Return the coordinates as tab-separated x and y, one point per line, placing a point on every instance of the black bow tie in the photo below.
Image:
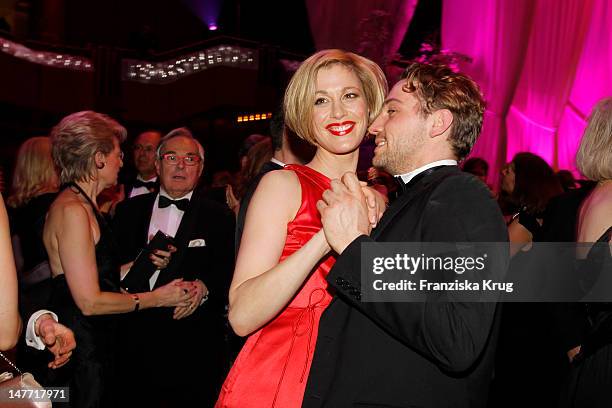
403	187
167	202
150	185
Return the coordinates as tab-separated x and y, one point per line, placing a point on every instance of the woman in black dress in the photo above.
34	187
528	363
83	255
590	378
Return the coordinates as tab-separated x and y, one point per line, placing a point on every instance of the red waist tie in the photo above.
308	312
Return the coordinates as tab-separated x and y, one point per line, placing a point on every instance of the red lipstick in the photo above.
341	129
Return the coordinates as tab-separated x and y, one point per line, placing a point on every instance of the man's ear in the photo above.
442	121
157	164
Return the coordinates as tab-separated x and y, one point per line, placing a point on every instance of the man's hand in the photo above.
344	212
160	258
199	290
58	338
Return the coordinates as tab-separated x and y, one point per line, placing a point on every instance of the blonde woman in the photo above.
279	290
34	187
34	173
590	379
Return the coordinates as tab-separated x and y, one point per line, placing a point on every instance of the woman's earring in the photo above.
100	166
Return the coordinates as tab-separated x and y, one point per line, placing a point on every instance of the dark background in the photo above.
33	98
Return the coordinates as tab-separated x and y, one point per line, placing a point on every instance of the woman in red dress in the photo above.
279	289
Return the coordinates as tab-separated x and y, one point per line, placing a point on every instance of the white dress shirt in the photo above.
141	190
280	163
166	220
410	175
32	339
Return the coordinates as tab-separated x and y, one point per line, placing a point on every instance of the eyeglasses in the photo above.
174	159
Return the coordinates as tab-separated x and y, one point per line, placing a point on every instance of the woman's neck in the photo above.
604	183
332	165
91	188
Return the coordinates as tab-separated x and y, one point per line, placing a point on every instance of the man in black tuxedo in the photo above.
144	150
180	355
409	354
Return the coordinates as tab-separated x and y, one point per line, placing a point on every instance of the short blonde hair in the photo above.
594	157
300	93
34	172
76	140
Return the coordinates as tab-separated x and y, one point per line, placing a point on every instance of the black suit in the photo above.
410	354
162	352
246	198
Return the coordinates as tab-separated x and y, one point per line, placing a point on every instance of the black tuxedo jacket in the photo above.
156	348
246	199
410	354
203	219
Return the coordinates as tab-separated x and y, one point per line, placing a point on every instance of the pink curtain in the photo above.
569	133
373	28
494	34
555	46
542	66
592	82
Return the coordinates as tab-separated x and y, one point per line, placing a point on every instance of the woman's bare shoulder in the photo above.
67	206
280	184
596	214
279	190
285	177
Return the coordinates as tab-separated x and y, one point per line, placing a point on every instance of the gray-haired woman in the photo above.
83	255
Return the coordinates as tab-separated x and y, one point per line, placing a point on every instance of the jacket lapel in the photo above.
408	197
396	208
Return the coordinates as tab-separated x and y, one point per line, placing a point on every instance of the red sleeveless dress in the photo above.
272	368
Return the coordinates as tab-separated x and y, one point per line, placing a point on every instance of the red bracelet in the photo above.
137	300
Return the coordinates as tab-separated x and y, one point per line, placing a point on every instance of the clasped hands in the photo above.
193	292
198	290
349	209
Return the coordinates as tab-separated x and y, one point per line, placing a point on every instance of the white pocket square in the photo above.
196	243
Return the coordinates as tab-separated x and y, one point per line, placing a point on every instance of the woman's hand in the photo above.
160	258
377	203
175	293
200	291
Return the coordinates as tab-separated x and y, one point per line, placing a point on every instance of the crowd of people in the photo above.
162	291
